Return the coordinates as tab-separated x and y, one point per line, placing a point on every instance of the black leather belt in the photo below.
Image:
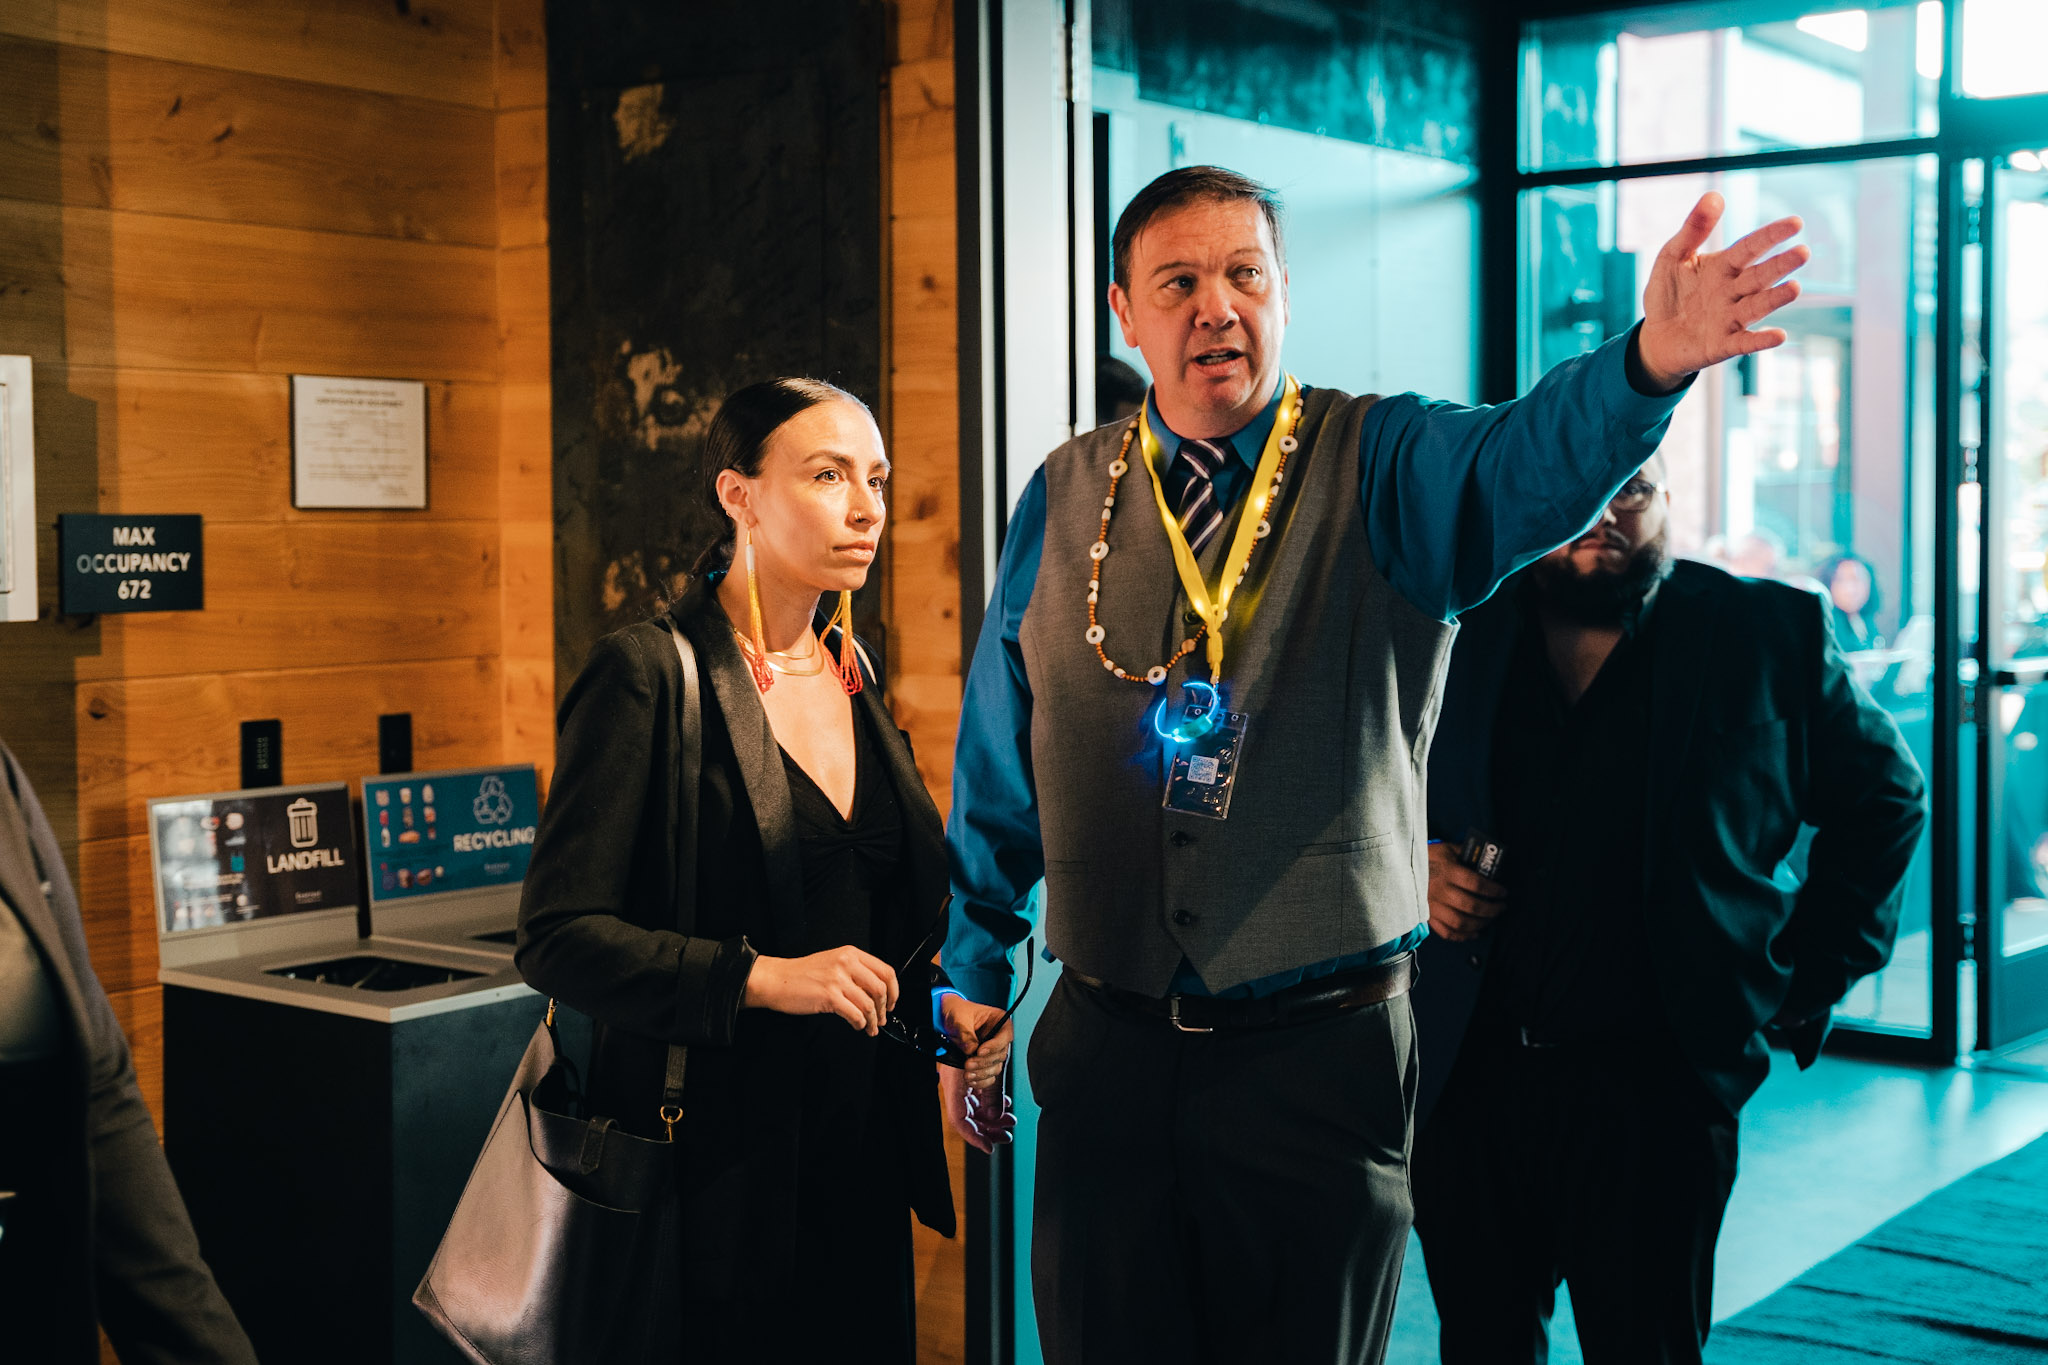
1303	1004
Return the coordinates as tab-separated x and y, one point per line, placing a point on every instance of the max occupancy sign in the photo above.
252	855
427	833
130	563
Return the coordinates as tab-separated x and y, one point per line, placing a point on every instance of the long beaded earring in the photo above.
849	665
764	677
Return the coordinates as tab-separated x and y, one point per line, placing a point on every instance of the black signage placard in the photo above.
243	856
130	563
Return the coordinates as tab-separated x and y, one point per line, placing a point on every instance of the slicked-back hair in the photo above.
738	439
1189	185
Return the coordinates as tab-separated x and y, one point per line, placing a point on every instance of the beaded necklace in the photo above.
1155	676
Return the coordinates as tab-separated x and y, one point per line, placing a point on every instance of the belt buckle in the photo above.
1173	1017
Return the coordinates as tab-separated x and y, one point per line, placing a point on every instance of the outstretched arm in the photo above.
1699	310
1458	498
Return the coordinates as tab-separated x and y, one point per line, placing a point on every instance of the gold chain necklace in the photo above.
1155	676
783	661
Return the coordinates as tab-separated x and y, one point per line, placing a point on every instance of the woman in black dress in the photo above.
820	871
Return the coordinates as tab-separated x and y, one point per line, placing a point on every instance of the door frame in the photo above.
1024	151
2004	985
1963	684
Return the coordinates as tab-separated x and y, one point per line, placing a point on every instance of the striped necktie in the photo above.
1195	503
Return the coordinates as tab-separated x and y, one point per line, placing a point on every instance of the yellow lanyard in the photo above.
1214	607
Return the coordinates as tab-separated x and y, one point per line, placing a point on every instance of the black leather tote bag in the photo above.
564	1246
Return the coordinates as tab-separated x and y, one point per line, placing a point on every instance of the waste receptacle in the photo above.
325	1095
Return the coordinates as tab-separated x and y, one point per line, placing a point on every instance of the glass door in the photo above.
2011	422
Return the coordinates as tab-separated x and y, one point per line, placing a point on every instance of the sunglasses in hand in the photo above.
921	1035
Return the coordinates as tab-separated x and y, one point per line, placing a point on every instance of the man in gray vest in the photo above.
1200	711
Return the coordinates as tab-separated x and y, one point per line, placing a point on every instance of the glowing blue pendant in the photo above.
1197	718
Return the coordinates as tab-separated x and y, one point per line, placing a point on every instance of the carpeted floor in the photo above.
1962	1276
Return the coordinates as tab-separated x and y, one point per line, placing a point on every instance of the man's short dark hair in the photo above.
1188	185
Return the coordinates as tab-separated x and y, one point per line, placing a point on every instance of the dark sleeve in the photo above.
158	1301
1868	802
581	938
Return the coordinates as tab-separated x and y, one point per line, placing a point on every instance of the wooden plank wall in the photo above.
923	601
196	201
924	392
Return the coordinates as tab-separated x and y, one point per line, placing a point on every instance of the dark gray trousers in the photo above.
1594	1165
1229	1196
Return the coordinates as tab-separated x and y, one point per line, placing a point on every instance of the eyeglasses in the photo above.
1634	496
920	1035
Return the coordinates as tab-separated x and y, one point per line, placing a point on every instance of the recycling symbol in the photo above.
493	804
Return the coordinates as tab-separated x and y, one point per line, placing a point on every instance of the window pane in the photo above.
2003	46
1380	243
2019	425
2019	443
1719	79
1811	463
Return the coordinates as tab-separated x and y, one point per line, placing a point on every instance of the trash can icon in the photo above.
305	818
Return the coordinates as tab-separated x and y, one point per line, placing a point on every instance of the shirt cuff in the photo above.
1639	377
983	985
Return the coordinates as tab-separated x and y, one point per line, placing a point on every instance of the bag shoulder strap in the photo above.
689	770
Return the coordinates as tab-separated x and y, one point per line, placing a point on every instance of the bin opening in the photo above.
505	936
365	973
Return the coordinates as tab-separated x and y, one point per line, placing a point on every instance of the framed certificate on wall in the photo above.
358	442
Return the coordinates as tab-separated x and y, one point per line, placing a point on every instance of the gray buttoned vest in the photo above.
1323	854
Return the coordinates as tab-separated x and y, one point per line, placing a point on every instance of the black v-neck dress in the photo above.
854	1261
848	861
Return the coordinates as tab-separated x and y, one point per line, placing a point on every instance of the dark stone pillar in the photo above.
715	206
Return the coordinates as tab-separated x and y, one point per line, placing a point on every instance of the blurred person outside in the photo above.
96	1234
1853	601
1226	1068
1756	554
1642	740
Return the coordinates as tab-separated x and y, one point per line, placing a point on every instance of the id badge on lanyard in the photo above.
1204	749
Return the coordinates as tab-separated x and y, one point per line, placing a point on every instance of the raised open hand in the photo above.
1698	310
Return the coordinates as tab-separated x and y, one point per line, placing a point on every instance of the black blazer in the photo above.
1757	727
133	1261
598	915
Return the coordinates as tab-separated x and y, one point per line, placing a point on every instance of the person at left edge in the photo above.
807	1140
96	1232
1242	1193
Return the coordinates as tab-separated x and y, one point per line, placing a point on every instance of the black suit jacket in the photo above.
134	1261
1757	727
598	918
